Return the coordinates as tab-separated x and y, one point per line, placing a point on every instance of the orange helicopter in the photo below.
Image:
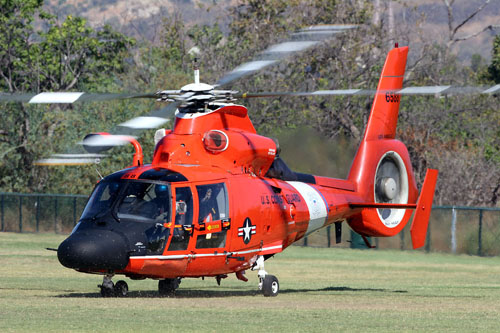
217	199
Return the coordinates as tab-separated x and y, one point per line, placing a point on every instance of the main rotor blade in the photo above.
297	42
70	97
423	90
70	159
152	120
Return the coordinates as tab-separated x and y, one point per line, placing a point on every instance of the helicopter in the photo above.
217	199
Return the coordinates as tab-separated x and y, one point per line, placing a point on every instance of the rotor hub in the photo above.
197	87
388	188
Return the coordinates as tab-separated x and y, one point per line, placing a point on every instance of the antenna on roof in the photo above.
196	72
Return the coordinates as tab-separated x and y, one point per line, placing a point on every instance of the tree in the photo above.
67	56
454	29
494	68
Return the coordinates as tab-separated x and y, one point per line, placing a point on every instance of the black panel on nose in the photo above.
94	249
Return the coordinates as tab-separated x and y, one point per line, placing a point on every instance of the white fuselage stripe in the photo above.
315	204
201	255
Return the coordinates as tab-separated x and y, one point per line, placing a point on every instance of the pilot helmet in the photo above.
161	190
113	188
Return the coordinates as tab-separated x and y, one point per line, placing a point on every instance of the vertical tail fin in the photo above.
382	169
384	114
383	118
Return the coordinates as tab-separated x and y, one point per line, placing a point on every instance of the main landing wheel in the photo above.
121	289
167	287
270	286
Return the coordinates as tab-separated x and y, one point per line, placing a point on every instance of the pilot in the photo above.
207	207
133	201
161	200
106	201
113	189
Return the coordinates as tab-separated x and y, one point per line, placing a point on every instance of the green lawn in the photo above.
321	290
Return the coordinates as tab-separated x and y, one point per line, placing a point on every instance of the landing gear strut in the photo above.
267	283
109	289
167	287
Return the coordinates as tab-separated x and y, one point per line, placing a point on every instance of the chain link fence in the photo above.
452	229
40	212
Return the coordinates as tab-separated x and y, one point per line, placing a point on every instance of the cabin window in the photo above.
213	204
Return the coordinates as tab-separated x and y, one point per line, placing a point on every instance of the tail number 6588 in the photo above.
392	98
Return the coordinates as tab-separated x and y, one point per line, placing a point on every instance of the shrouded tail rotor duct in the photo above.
391	186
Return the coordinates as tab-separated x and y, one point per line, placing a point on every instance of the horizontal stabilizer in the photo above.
422	213
383	205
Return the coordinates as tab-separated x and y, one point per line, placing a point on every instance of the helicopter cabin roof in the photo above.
214	116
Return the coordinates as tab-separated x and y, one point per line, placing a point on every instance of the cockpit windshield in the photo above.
138	200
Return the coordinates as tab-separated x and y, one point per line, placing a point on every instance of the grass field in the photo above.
321	290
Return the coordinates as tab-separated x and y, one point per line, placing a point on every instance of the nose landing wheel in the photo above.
121	289
109	289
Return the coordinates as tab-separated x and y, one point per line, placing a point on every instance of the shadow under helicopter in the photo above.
227	293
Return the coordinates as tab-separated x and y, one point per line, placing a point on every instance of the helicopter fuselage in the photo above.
218	199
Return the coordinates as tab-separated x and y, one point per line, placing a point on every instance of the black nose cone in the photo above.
94	249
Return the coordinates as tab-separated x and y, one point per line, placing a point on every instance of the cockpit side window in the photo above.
183	206
183	219
162	203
